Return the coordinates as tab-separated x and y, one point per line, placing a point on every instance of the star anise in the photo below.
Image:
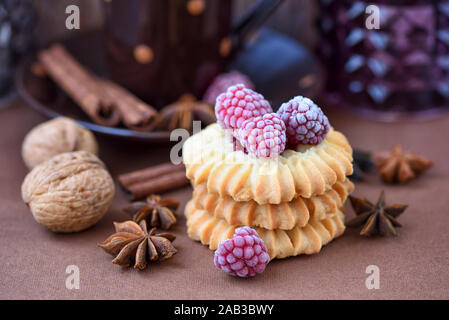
181	113
156	211
377	219
398	166
134	244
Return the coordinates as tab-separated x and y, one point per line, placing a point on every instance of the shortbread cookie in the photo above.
210	158
285	215
280	243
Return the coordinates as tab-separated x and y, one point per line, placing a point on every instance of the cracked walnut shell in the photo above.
70	192
54	137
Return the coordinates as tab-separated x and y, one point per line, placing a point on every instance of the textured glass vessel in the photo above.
399	70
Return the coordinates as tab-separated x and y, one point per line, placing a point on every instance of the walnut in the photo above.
70	192
53	137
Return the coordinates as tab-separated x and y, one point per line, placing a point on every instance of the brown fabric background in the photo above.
413	265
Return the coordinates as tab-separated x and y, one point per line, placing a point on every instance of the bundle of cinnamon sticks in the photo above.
152	180
105	102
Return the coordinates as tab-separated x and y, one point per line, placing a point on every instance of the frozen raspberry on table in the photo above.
245	255
238	104
223	82
263	136
305	121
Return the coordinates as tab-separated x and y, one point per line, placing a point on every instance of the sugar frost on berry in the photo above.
263	136
238	104
245	255
305	121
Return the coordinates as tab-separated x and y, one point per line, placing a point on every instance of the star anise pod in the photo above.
156	211
181	114
376	219
398	166
134	244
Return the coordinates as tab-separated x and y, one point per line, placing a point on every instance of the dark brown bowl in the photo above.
277	79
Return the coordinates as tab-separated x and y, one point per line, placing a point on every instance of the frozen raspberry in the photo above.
223	82
305	121
245	255
237	104
263	136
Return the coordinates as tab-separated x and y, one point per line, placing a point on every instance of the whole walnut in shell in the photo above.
54	137
70	192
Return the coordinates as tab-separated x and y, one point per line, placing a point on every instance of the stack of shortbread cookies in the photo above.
294	201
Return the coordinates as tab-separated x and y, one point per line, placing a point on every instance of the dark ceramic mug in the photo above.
162	49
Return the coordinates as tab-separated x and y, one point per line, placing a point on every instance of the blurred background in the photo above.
162	50
295	18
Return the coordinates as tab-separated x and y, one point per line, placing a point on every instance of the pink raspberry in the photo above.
263	136
223	82
305	121
245	255
237	104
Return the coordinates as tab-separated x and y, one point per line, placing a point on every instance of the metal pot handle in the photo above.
251	20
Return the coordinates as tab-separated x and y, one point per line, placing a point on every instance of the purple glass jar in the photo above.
399	70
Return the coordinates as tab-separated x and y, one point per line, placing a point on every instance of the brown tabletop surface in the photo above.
415	264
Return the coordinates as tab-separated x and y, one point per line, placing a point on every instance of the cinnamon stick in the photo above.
147	174
105	102
160	184
157	179
135	113
79	84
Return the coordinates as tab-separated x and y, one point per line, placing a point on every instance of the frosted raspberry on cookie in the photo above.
263	136
238	104
245	255
305	121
